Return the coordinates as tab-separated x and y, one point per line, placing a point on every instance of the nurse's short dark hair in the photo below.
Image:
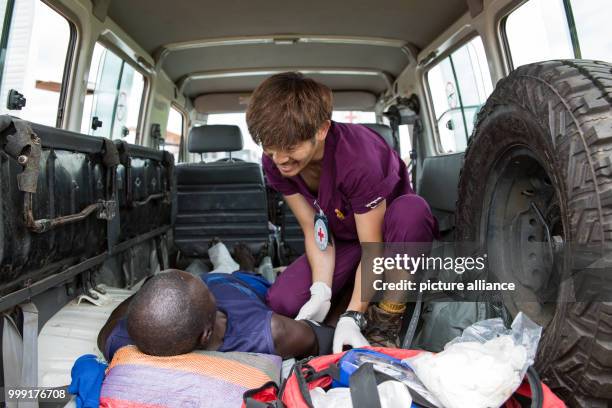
287	109
166	316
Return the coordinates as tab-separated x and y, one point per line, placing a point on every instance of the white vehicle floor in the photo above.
72	332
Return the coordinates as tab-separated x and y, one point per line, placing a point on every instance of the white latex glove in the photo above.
348	334
317	307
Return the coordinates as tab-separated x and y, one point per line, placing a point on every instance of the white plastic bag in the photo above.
523	331
483	367
393	394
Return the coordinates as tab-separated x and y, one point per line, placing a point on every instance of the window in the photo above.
37	46
405	142
354	116
251	151
459	85
540	30
593	29
114	97
174	133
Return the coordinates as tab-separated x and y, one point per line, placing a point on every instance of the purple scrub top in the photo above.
359	170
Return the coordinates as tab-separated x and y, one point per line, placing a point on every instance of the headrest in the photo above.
215	138
383	130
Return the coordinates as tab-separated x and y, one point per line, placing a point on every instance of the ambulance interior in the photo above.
152	76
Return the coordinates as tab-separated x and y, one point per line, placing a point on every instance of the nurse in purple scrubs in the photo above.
345	185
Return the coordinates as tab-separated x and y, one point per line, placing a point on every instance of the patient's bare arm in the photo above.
293	338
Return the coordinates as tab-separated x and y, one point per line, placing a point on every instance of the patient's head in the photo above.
173	313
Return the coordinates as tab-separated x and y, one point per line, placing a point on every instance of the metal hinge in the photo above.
107	210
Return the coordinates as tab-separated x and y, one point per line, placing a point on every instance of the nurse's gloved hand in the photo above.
348	334
317	307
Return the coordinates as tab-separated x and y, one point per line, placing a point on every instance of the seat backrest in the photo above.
438	185
224	199
384	131
215	138
145	189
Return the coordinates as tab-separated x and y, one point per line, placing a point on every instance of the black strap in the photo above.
537	393
302	382
416	131
250	402
395	136
325	337
111	159
364	393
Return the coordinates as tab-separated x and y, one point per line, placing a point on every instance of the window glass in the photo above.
538	31
174	133
405	142
114	97
592	20
354	116
459	85
38	42
251	151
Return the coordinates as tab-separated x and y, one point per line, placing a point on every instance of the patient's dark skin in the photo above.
291	338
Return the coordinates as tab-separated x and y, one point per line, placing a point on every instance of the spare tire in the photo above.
541	153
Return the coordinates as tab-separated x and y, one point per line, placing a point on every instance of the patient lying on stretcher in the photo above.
176	312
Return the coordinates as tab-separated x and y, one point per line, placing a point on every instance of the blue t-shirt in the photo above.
248	318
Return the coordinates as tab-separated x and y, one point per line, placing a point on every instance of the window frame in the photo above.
71	55
71	52
6	30
144	100
503	35
425	82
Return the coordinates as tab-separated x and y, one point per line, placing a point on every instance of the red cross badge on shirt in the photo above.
321	234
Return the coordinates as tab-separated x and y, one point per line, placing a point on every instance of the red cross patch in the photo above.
321	234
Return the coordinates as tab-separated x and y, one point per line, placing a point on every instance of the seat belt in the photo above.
414	321
20	354
416	130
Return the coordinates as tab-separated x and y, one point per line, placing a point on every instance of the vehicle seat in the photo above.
438	186
224	199
385	132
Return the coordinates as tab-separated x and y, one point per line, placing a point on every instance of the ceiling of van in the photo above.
346	53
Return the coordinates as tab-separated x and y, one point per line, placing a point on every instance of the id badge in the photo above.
321	229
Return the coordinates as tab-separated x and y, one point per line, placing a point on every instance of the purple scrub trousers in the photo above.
407	219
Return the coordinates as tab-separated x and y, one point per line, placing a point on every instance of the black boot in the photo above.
383	327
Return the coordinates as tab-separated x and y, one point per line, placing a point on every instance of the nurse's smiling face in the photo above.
291	161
